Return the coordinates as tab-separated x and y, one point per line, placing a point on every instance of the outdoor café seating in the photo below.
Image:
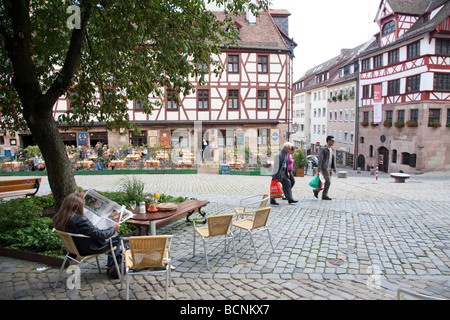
145	256
218	229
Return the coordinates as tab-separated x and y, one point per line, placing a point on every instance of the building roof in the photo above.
264	35
414	7
332	67
418	28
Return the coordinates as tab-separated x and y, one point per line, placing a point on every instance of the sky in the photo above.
321	28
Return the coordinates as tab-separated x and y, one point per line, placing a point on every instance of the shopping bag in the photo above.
276	190
314	183
321	181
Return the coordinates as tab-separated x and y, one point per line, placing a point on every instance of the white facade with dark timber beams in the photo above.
248	105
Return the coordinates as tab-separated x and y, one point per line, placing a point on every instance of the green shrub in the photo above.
22	227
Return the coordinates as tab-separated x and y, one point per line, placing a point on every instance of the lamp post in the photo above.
295	128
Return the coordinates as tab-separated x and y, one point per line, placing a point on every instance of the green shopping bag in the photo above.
314	183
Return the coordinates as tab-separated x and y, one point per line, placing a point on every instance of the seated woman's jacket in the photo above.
96	243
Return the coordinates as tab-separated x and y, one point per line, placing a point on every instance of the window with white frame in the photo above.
352	114
345	136
346	115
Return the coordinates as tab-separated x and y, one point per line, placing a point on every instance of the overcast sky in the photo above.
321	28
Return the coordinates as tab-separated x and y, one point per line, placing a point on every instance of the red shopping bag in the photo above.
276	190
321	181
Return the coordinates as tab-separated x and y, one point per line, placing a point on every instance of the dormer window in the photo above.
425	18
389	27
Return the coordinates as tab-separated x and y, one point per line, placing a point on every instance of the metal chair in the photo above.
71	248
218	228
147	254
257	222
252	203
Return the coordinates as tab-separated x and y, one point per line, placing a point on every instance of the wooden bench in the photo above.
186	208
400	177
22	187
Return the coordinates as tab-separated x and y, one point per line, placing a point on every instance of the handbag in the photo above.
276	190
314	183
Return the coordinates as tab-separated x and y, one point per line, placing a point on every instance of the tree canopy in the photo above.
130	50
102	54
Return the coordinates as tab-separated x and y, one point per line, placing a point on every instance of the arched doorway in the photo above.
383	159
361	162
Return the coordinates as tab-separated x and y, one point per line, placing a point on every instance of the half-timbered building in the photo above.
404	89
249	104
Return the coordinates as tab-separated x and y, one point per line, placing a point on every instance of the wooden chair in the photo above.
252	203
71	248
147	252
218	228
257	222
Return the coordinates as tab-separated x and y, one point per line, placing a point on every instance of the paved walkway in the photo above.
374	237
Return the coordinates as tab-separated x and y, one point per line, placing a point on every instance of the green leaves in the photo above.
132	50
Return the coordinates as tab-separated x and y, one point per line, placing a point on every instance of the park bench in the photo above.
186	208
400	177
19	187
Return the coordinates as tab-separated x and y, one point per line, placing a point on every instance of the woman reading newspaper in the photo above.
70	218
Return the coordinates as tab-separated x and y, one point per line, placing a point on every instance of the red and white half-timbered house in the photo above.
404	89
249	104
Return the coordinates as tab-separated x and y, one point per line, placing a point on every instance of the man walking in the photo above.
327	162
280	173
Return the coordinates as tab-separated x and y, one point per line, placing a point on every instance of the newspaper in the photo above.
102	212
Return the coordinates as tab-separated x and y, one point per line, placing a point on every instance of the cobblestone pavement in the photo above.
374	237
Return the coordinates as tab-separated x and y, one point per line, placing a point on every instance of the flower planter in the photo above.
412	124
399	124
434	124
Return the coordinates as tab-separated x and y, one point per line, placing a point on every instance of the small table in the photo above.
151	217
400	177
162	218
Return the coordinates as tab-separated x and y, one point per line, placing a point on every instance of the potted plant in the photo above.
448	125
373	124
299	162
411	124
387	123
399	124
339	96
334	98
365	123
434	124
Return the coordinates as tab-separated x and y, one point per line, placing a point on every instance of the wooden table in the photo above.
12	164
85	164
162	218
117	163
153	163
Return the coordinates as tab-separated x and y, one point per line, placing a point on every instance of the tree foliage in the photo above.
100	55
132	50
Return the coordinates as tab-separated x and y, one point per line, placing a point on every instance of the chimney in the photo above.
250	17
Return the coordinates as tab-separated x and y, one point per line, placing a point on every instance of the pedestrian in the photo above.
327	163
70	218
280	173
291	166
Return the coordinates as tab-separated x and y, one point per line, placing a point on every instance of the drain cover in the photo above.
336	262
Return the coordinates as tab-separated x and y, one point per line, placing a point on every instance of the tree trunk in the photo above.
44	129
38	107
